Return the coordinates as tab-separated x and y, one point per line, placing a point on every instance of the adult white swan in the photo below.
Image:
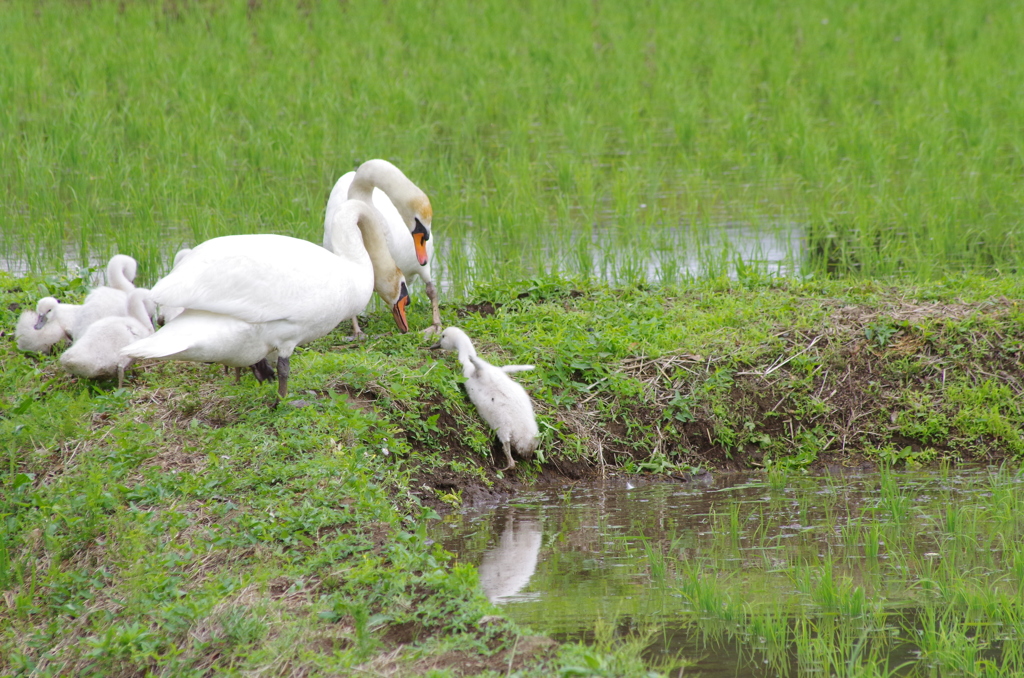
247	297
406	211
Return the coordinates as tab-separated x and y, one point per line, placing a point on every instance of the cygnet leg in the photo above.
507	446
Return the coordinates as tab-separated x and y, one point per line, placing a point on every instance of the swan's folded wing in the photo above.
259	285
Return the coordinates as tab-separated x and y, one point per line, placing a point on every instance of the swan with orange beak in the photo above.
407	212
248	298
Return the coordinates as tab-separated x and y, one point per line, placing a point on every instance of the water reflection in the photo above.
506	568
752	578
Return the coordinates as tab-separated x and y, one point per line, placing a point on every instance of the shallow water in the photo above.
777	250
567	560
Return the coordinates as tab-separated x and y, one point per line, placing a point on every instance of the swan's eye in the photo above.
420	229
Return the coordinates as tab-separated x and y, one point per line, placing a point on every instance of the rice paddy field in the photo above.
782	237
593	138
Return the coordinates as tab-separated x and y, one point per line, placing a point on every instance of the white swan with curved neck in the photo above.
406	210
247	297
97	353
501	402
109	300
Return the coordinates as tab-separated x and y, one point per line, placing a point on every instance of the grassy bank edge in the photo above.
181	526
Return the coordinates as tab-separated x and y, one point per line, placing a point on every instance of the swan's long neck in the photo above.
407	197
121	272
137	308
358	232
345	236
467	355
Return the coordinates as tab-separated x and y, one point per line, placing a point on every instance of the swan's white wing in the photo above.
256	278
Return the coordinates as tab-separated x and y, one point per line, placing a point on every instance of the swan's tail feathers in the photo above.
510	369
155	346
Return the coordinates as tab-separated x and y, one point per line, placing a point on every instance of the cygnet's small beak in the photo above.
435	346
40	321
420	236
398	310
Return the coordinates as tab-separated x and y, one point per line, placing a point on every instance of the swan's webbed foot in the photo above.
262	370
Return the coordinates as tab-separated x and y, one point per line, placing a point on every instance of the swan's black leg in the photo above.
262	370
284	368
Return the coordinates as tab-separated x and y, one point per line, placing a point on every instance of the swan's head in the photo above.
44	309
411	202
418	216
395	293
398	307
454	339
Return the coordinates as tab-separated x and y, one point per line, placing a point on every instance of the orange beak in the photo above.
420	236
398	310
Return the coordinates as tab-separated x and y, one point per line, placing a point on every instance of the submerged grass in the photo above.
593	139
799	590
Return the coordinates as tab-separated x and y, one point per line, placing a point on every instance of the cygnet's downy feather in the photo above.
111	299
48	325
501	402
97	353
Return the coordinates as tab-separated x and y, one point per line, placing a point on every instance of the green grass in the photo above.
588	139
180	525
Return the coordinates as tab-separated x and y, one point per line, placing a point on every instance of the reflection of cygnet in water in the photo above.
507	568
